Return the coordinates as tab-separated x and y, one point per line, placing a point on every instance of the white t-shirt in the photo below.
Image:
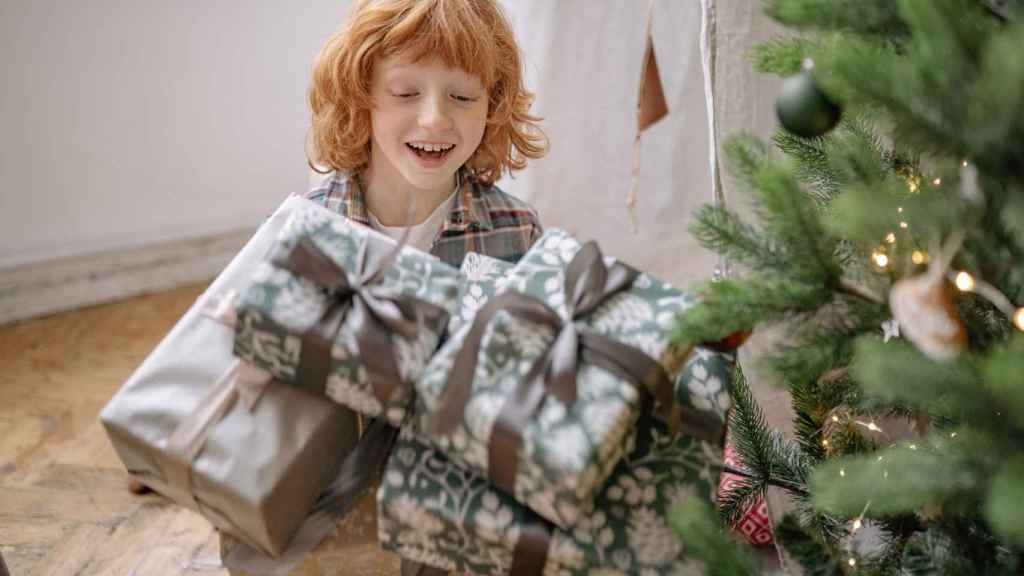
422	235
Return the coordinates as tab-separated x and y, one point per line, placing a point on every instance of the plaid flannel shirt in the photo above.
481	219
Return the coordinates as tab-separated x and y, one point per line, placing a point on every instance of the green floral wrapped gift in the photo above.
337	310
433	512
541	392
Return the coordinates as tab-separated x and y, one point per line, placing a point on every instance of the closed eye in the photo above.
406	94
463	98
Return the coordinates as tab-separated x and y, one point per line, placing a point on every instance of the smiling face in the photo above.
426	122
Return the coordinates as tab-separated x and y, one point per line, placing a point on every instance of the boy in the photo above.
422	101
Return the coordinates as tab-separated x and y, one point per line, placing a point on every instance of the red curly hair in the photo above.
472	35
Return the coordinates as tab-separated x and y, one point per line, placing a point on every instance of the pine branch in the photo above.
766	457
795	224
947	389
738	305
694	522
725	233
815	556
876	18
782	56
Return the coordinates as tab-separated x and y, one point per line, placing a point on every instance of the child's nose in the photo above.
434	114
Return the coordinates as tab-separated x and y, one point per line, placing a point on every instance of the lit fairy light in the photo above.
852	562
1018	318
890	238
880	259
964	163
857	524
899	209
913	446
835	418
918	257
904	225
825	443
952	434
937	182
965	282
842	472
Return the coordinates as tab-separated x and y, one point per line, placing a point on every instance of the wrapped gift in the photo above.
206	430
541	392
433	512
338	310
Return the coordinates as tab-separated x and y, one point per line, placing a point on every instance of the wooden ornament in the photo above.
924	308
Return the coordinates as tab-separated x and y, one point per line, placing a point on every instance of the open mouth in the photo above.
431	151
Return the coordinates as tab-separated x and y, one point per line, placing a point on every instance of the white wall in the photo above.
125	122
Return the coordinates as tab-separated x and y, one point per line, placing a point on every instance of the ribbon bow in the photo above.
588	284
372	309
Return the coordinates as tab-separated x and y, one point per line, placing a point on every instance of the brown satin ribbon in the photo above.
239	381
588	284
373	310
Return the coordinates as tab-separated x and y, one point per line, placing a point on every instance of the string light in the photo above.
880	259
937	181
965	282
890	238
857	524
913	446
918	257
835	418
903	225
899	209
964	163
968	283
825	443
852	562
842	472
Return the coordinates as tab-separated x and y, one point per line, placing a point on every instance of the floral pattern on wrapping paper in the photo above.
278	307
567	451
481	525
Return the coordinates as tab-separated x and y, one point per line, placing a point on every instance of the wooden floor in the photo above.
64	506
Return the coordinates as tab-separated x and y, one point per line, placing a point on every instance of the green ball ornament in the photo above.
803	109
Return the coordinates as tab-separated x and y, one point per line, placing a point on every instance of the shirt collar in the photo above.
466	211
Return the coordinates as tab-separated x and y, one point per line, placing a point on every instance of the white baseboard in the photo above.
37	289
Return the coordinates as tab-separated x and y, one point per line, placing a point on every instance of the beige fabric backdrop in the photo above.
583	59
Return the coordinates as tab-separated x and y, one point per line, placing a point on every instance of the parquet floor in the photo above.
64	506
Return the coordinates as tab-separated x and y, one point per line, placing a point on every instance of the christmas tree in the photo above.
891	248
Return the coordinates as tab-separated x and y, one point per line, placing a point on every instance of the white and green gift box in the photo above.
433	512
290	319
566	451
